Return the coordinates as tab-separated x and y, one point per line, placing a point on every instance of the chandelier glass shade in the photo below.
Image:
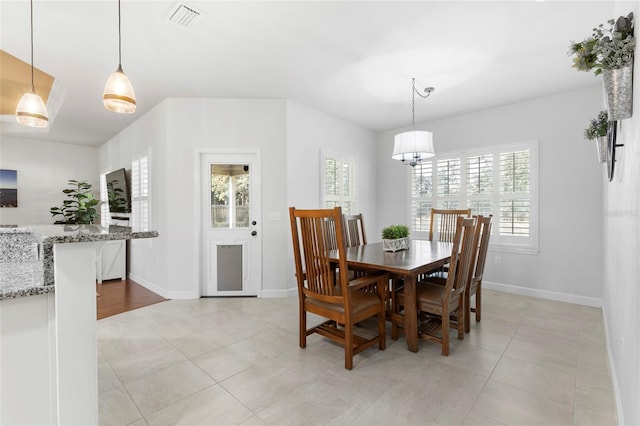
31	110
118	95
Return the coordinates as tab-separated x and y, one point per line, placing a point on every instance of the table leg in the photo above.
411	313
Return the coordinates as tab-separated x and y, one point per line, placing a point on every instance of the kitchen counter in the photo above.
26	253
48	355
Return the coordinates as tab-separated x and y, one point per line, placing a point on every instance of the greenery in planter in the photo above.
394	232
608	48
597	126
80	208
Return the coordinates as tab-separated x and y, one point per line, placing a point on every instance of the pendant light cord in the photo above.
119	37
428	92
33	87
413	105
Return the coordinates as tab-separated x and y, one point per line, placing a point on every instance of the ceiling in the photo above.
350	59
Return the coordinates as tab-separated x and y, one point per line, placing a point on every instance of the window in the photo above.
338	186
140	217
104	200
499	180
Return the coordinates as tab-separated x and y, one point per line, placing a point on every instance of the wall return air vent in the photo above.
184	15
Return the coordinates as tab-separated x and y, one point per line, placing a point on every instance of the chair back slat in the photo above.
330	231
461	254
483	248
314	234
354	230
443	223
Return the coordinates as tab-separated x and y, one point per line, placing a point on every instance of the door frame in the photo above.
197	210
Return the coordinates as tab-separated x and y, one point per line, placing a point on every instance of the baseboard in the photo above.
612	371
544	294
273	294
162	292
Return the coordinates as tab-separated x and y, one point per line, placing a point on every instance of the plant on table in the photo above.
395	232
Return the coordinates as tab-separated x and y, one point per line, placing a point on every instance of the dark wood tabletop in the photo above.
422	257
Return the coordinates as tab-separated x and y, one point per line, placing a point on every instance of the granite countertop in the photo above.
57	234
24	274
22	279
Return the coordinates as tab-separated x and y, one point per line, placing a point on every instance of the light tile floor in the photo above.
237	362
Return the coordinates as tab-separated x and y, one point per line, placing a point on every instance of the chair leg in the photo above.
382	343
478	302
303	327
467	311
445	333
348	346
462	319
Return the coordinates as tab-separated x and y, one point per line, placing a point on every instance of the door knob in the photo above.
254	223
254	233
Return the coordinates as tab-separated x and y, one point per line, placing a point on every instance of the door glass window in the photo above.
230	196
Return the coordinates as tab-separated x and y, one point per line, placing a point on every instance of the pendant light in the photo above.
118	93
31	110
414	146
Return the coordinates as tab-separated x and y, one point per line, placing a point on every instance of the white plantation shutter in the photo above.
499	180
104	201
449	177
421	195
515	200
479	181
140	216
338	182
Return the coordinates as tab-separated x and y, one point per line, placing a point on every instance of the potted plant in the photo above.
395	237
597	131
609	51
80	208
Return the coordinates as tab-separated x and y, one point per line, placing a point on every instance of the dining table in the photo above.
422	257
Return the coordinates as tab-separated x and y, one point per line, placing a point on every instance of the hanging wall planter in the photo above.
601	146
618	86
598	130
609	51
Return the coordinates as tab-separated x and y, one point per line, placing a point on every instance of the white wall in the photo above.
43	171
148	258
622	260
308	132
174	132
289	137
569	264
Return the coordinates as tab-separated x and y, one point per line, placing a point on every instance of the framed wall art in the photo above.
8	188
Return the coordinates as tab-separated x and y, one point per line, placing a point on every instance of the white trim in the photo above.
162	292
612	372
530	244
354	178
544	294
198	153
280	294
509	248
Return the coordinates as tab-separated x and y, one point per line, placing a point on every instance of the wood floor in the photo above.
117	296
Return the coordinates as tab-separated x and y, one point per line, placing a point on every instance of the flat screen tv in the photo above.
118	192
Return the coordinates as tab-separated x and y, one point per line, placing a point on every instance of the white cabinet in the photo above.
111	263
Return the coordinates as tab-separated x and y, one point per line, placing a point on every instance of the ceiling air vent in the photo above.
184	15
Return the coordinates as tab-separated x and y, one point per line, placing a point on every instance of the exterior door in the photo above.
231	257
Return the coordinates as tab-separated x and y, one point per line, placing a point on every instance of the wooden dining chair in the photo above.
437	303
354	230
474	281
333	296
443	223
